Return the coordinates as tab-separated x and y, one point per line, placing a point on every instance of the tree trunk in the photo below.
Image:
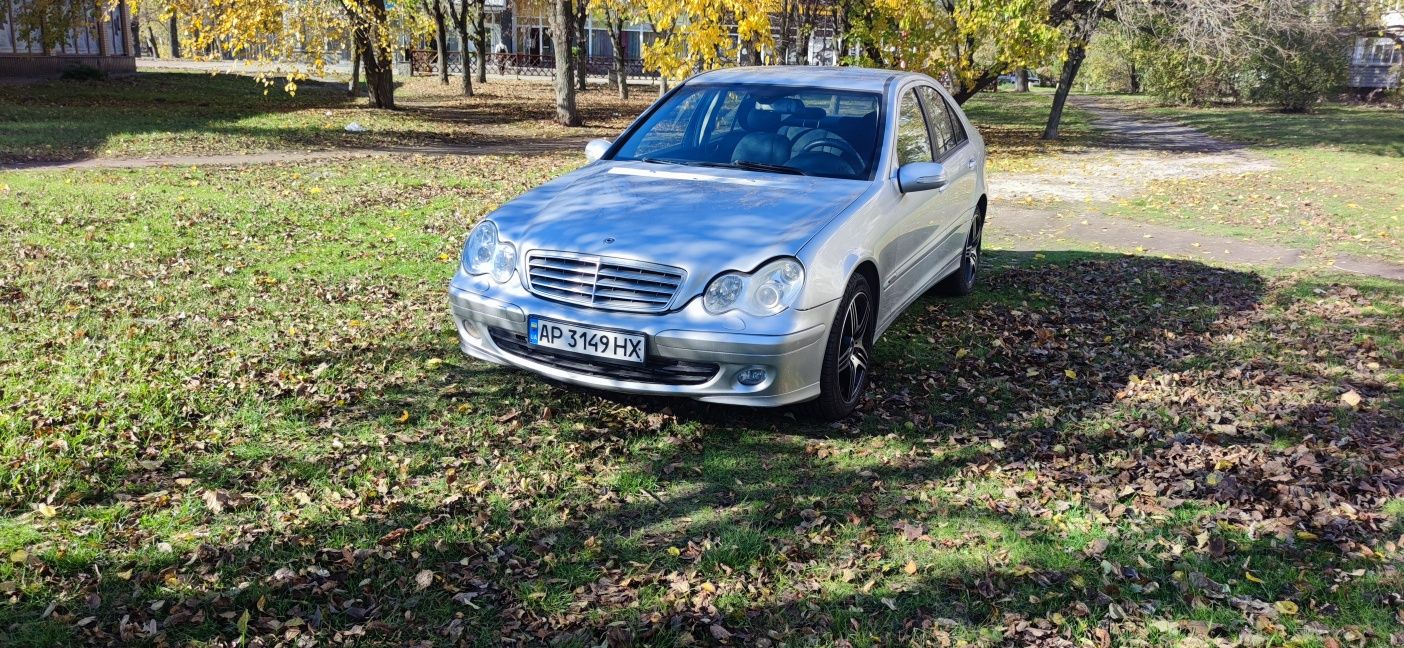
1077	51
458	14
175	36
441	39
963	93
351	88
580	44
480	57
466	77
615	23
1021	80
1135	83
561	19
369	23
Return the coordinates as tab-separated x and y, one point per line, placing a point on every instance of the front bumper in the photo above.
790	346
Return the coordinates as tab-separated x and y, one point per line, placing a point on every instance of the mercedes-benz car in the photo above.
745	241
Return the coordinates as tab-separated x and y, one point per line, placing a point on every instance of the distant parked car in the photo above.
745	241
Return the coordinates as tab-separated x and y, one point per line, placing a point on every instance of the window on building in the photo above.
117	32
7	36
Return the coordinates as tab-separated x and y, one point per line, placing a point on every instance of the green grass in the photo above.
1012	125
1336	190
231	390
191	113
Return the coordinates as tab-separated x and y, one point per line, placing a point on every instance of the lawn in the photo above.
1012	125
1337	189
193	113
232	410
189	113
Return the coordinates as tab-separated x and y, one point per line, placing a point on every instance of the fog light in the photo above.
751	376
471	330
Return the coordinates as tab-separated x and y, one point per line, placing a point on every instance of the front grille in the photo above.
604	282
654	370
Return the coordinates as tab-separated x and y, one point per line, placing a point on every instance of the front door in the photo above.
917	219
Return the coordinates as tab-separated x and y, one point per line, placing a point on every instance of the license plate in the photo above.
586	340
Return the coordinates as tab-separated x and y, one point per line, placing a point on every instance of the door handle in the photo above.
970	164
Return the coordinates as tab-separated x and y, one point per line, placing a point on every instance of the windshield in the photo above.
777	129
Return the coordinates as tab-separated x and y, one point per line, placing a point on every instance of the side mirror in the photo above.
921	176
596	148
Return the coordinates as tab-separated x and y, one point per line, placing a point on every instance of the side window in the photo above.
938	114
913	139
726	115
960	136
671	126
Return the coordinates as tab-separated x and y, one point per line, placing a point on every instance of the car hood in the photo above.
703	220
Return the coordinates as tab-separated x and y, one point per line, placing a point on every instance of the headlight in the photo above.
481	246
504	261
767	291
484	254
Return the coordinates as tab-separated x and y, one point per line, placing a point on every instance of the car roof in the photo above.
837	78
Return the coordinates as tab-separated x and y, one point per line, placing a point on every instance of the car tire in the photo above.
848	354
962	282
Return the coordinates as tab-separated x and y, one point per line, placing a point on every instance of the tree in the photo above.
580	44
175	36
562	21
1079	19
480	32
458	14
967	43
1291	52
436	11
297	35
615	14
696	35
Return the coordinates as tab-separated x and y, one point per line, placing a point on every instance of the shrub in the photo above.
82	72
1300	69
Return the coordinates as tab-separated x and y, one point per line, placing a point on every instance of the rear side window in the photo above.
946	131
913	138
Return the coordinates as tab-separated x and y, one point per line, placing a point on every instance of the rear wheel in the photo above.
962	282
848	356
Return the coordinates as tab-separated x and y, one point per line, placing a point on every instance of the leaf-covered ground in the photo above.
232	411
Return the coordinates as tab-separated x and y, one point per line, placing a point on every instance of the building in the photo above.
1376	61
101	40
519	36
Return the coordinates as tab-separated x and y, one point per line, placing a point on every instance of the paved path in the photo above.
1137	152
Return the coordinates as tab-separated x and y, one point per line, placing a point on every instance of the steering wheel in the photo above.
848	153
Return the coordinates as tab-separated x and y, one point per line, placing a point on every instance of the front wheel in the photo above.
848	356
962	282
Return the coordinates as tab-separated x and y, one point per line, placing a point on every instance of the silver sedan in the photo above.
745	241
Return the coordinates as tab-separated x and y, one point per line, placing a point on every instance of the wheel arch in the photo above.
870	272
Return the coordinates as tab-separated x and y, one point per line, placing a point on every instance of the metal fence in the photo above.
425	62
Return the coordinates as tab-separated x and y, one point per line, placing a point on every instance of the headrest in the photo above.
767	148
759	119
806	117
787	106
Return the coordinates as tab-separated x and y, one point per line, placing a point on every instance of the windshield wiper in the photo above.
762	166
654	160
755	166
